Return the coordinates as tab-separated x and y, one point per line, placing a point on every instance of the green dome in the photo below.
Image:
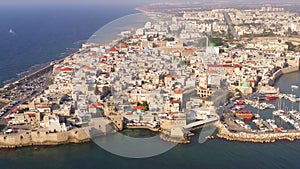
245	85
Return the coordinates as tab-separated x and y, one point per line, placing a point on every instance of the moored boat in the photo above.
257	116
271	98
244	114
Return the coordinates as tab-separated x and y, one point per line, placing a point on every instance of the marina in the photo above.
280	120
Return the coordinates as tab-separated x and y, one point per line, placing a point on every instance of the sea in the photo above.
32	36
40	35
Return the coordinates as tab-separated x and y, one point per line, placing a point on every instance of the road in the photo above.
231	30
26	98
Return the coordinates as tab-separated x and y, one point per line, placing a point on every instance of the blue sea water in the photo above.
43	33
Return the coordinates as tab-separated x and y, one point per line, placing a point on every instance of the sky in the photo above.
127	2
67	2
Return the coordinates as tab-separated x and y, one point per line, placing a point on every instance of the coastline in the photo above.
72	136
224	133
37	138
281	72
3	103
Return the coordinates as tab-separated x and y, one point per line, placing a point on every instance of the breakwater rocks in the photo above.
38	138
180	140
224	133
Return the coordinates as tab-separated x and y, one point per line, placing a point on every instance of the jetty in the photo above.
257	137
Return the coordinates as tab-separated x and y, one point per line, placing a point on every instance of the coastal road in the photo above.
24	99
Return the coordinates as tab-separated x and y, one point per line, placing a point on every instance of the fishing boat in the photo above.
271	98
244	114
277	112
294	86
11	31
257	116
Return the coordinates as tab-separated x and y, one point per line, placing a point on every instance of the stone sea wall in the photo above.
224	133
22	139
280	72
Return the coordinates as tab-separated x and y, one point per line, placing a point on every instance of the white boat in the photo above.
11	30
294	86
278	112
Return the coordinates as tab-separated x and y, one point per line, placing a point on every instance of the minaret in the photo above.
206	42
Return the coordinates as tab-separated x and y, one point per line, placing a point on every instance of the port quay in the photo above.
177	72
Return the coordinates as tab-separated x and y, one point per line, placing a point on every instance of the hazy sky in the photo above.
63	2
120	2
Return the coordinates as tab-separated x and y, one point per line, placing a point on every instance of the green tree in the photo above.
216	41
291	46
169	39
146	106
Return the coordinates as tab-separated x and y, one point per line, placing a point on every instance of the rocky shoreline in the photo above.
179	140
224	133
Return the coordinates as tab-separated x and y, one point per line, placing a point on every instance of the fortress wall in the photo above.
280	72
43	138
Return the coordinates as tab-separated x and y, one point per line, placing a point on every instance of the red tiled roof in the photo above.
113	50
178	91
44	107
57	67
138	107
31	115
15	110
66	69
124	46
92	106
175	101
212	71
235	66
219	65
87	67
99	104
189	48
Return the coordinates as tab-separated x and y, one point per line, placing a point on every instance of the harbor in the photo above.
279	121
